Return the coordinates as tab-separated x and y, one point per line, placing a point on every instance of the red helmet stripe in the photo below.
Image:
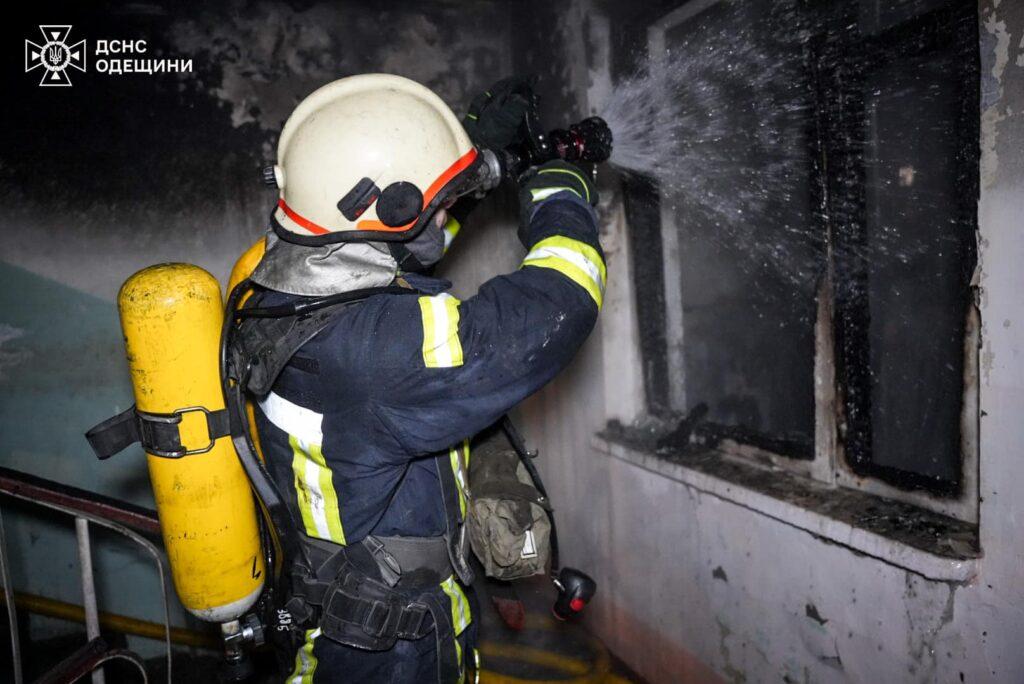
301	220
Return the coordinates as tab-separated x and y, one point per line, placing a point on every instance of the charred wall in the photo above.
118	172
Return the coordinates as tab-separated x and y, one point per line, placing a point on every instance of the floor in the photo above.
546	650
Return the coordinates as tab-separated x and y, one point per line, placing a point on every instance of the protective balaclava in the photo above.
324	270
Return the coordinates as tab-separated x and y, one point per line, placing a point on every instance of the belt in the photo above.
371	593
400	562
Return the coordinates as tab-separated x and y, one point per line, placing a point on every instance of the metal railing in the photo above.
87	509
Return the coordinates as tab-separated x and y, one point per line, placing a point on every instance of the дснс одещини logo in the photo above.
55	55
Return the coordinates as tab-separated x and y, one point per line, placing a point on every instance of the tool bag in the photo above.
508	517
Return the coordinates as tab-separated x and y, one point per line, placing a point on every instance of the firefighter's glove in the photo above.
556	179
557	176
495	117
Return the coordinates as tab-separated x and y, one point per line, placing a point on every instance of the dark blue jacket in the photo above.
350	423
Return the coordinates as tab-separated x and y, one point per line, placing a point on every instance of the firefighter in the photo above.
366	430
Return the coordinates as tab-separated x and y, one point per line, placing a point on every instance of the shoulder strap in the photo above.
267	344
266	339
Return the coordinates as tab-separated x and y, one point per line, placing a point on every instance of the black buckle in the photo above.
376	621
151	434
410	622
390	570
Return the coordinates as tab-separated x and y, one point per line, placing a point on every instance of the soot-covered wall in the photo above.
118	172
695	584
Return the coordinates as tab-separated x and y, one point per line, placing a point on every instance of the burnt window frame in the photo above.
845	144
837	350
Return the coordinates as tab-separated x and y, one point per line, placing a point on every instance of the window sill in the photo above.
922	542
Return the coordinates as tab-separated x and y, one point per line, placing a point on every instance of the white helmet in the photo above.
369	158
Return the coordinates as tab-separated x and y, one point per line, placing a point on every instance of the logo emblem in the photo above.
55	55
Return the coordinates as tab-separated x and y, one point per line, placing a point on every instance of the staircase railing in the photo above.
87	508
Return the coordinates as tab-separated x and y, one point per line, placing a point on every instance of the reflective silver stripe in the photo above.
575	258
544	193
459	457
568	172
314	487
303	423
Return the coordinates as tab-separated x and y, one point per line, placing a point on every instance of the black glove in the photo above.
495	116
555	176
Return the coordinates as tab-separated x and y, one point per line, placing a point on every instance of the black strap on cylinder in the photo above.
158	433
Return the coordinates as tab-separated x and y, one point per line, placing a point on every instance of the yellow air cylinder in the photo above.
247	263
171	316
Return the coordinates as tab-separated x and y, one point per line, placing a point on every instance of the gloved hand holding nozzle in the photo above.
495	116
504	122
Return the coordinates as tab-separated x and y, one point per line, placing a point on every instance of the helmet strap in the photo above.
407	261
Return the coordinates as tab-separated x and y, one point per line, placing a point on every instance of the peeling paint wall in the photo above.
695	588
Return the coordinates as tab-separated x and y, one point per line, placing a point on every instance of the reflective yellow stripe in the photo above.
576	260
461	615
458	659
460	471
314	487
586	188
441	346
305	661
476	666
544	193
450	230
574	273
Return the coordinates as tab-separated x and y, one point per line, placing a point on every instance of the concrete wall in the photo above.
693	587
120	172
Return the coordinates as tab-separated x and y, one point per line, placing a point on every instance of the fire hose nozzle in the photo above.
589	140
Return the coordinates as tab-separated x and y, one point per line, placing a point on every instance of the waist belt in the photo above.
374	592
421	560
399	562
